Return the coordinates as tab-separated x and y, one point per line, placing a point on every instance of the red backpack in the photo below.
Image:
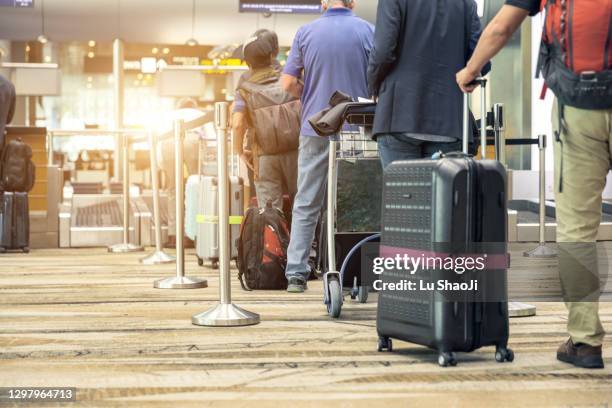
262	249
576	52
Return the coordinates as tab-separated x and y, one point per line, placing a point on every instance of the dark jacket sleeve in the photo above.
386	40
476	32
12	102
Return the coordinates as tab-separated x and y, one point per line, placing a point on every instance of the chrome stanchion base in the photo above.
125	248
183	282
158	258
542	251
224	315
519	309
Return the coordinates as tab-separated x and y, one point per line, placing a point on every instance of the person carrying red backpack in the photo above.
576	62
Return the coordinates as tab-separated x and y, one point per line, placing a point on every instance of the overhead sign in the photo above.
16	3
280	6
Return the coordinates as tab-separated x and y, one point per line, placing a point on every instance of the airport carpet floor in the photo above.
92	320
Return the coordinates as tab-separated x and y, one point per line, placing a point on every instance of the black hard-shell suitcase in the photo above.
452	205
14	222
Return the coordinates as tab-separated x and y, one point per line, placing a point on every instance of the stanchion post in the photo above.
515	309
225	313
499	130
126	246
180	281
542	250
159	256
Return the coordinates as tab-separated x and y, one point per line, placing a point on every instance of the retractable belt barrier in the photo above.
180	281
126	246
159	256
542	250
225	313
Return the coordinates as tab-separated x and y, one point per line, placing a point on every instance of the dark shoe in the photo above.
580	355
296	285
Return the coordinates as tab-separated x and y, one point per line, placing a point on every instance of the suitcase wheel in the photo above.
362	294
385	343
446	359
504	354
26	250
214	264
200	261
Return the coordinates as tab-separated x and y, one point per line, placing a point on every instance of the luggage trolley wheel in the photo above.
504	354
446	359
385	343
334	306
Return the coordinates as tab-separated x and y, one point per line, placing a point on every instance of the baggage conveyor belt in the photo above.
523	221
95	220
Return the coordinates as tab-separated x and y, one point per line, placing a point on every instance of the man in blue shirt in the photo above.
329	54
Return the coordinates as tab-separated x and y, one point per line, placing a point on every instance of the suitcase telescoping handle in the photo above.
483	118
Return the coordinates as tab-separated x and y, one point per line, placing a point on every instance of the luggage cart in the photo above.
339	240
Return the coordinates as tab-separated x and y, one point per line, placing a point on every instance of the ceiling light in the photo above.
166	50
89	79
139	76
91	43
47	58
27	48
192	42
155	50
42	38
91	54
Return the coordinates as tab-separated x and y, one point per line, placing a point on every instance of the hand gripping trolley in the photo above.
352	214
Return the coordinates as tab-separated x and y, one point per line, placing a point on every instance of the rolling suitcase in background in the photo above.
14	222
207	214
449	207
192	190
207	236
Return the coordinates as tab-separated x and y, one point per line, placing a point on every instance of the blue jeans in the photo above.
313	163
399	146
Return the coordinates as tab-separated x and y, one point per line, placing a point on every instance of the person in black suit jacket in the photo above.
7	106
419	46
